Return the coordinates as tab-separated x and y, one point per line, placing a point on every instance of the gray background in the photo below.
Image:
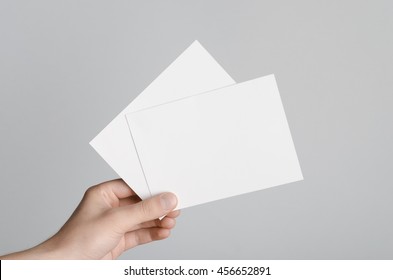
68	67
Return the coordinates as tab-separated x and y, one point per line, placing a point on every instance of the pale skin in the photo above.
109	220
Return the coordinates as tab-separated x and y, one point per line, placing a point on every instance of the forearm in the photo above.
43	251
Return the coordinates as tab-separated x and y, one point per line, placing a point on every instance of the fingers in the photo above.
118	187
108	195
173	214
154	223
129	200
135	199
143	236
127	217
166	222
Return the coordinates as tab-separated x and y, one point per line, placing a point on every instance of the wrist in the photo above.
44	251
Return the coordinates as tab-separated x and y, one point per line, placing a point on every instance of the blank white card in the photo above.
194	71
216	144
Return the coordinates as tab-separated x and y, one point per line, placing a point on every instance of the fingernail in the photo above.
168	201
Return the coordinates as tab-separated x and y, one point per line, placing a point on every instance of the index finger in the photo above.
118	187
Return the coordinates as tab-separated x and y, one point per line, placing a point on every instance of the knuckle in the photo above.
90	191
94	191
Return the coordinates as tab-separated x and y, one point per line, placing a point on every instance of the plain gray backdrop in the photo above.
68	67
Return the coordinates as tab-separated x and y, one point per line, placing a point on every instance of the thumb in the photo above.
146	210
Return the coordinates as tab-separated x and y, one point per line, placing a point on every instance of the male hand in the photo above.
109	220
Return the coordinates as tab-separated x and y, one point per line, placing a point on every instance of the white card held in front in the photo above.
217	144
194	71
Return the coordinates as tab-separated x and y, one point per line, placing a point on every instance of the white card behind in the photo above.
194	71
218	144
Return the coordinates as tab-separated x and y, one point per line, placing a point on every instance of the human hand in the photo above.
109	220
